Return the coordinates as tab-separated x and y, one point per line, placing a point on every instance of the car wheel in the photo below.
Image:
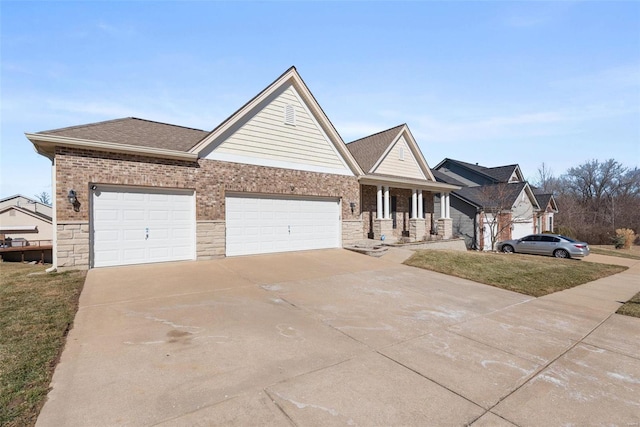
507	249
561	253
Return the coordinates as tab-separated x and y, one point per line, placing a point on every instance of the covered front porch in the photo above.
396	209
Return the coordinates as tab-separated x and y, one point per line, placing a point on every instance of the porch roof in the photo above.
410	183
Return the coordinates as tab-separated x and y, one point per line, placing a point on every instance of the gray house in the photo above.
494	203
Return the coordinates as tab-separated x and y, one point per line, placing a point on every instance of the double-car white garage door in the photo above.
137	226
264	224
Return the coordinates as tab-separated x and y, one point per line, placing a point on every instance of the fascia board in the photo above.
326	125
407	183
294	79
532	197
392	144
230	121
45	145
417	153
26	212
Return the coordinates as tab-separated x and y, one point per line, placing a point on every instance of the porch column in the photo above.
447	206
420	207
386	203
443	211
379	203
414	204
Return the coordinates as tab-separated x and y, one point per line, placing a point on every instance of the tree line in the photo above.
594	199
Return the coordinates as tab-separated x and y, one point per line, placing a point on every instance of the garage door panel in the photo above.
266	224
121	219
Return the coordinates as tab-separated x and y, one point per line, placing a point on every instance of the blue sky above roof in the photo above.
490	82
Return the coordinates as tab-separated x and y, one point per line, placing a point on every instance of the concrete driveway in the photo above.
337	338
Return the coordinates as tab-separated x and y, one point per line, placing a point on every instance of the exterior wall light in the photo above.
352	205
73	199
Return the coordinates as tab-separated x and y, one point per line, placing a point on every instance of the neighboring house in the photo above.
493	202
275	176
548	209
26	220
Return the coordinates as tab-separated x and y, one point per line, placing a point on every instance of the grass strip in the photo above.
621	253
631	307
527	274
36	312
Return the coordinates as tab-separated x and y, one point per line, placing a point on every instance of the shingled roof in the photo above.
368	150
491	196
134	131
443	177
498	173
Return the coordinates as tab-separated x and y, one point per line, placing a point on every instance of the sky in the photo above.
493	83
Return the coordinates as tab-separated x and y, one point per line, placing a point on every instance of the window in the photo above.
550	223
289	115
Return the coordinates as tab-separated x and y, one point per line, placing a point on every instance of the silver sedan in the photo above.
546	244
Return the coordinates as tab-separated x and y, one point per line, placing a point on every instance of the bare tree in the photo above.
44	198
597	197
545	180
501	209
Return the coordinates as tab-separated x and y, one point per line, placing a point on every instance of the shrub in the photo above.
566	231
624	238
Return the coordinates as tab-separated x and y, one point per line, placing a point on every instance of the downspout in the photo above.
54	219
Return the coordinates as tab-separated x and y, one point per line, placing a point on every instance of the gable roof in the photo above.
29	199
545	199
495	174
493	195
39	215
288	78
368	150
31	205
502	173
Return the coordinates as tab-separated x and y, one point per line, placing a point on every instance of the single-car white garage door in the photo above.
264	224
521	229
137	226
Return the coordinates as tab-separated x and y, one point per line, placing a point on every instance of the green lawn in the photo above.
527	274
36	312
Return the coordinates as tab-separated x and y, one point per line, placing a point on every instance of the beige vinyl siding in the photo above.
45	229
392	165
266	136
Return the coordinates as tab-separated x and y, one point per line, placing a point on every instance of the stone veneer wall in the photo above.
445	228
73	245
77	169
351	231
210	239
417	229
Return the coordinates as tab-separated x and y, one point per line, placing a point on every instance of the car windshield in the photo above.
567	238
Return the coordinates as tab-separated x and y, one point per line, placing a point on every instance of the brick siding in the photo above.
77	169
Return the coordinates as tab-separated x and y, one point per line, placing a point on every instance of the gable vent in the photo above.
401	153
289	115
